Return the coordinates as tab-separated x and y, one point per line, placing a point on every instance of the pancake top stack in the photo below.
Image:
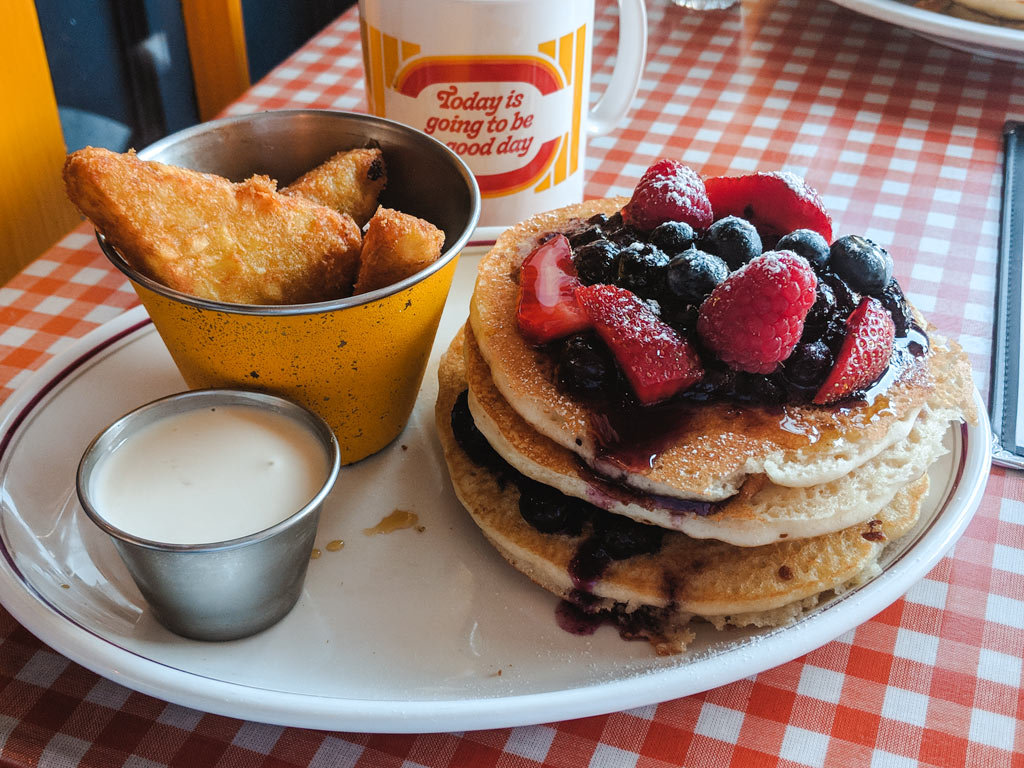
694	403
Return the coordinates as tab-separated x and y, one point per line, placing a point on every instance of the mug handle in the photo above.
629	68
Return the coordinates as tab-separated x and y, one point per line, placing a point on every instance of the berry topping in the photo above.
807	243
668	191
753	320
673	237
865	353
585	367
775	202
549	510
547	309
732	239
808	365
587	235
470	438
846	299
597	262
657	361
821	320
892	299
642	270
865	266
621	537
693	275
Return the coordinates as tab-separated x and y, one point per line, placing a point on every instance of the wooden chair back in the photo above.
34	211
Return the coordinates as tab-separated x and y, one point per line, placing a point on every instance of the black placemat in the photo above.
1007	400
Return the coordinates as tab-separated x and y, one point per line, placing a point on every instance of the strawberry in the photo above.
547	309
754	319
775	202
668	191
657	361
865	353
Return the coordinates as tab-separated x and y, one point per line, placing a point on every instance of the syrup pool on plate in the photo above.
209	475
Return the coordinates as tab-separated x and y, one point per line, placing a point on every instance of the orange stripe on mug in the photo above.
509	182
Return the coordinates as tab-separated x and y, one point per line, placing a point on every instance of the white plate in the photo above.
972	36
411	631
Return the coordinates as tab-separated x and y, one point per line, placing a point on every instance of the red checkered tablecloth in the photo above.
902	136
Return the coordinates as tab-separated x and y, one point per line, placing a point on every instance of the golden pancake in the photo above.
660	592
761	513
712	448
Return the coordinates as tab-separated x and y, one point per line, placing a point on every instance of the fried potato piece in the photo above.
204	235
396	245
349	182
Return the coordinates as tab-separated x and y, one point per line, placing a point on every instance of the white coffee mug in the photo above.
505	83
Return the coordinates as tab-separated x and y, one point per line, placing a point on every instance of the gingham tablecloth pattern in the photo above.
901	136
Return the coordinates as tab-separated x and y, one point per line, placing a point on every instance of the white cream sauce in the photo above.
209	475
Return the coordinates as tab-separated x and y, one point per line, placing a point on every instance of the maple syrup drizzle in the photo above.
396	521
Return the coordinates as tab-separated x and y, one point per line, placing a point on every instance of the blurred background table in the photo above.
902	137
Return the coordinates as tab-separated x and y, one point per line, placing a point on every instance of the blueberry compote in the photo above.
674	269
605	537
601	538
852	268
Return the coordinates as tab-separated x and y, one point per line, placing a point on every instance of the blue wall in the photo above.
93	78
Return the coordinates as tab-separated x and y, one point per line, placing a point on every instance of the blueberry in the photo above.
673	236
585	366
642	270
470	438
682	317
718	379
822	312
867	267
549	510
597	262
618	232
892	299
846	298
584	236
807	243
693	274
621	537
732	239
759	388
808	364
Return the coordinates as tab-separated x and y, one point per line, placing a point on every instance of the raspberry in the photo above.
775	202
668	191
754	319
657	361
864	356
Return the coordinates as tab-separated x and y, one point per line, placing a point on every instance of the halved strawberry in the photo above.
657	361
668	191
547	308
865	353
775	202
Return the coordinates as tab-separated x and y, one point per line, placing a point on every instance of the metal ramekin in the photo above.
222	590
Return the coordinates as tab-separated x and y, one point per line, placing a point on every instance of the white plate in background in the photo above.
975	37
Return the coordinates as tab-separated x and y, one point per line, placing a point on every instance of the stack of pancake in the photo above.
759	510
